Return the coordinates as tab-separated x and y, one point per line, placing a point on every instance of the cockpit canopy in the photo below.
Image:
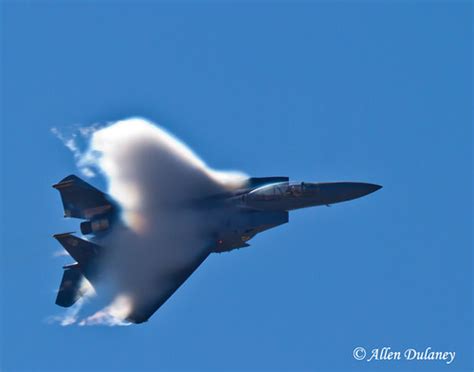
278	190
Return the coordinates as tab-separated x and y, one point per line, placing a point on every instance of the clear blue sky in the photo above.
362	91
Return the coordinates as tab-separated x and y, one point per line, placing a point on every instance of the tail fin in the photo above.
71	288
81	200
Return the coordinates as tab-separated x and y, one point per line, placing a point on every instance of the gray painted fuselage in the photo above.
254	210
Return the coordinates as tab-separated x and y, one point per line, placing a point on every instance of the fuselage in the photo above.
266	206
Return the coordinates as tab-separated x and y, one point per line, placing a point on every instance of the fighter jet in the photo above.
260	204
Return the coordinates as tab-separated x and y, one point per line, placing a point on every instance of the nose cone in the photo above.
336	192
359	189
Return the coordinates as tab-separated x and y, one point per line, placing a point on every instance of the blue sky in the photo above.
318	91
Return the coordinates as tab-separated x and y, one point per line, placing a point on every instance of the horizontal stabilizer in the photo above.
71	288
81	200
83	251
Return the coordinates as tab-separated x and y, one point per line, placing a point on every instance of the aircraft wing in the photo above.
167	283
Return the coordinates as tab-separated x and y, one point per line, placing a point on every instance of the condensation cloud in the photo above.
154	178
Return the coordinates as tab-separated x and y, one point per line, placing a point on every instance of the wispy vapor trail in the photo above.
71	315
154	177
111	315
74	142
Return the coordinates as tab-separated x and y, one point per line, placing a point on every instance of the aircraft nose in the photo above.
353	190
369	188
336	192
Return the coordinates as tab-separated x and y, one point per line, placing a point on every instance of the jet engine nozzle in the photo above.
91	227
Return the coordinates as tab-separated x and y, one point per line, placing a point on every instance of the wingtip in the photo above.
66	181
62	235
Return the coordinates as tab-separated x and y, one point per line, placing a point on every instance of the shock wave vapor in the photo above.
166	213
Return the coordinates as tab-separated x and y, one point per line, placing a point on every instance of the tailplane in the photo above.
83	251
72	286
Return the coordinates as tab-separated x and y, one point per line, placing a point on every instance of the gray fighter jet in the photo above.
263	203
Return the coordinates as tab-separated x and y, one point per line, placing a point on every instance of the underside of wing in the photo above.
147	304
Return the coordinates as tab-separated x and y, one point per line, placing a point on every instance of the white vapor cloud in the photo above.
155	178
112	315
73	141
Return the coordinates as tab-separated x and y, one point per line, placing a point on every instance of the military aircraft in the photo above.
261	204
